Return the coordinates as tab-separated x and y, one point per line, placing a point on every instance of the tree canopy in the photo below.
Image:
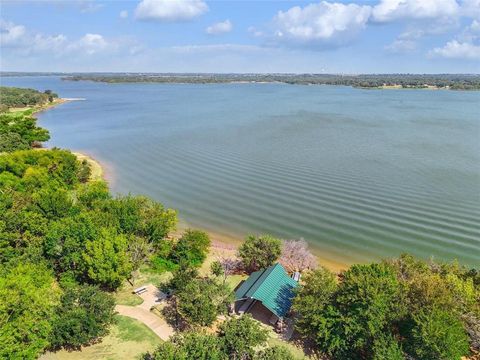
237	338
389	310
28	299
258	252
79	237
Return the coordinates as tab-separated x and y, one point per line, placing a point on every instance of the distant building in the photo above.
269	291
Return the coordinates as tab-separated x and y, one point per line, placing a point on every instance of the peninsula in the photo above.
369	81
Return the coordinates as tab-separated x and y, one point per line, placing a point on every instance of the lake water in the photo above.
360	174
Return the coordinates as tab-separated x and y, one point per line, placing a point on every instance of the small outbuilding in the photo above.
272	287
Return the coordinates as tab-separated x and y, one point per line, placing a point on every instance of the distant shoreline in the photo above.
363	81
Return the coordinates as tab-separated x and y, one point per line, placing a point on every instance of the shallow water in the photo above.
360	174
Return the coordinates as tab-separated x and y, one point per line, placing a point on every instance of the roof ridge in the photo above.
261	278
270	268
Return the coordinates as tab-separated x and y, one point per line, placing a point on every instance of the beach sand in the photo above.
229	244
97	169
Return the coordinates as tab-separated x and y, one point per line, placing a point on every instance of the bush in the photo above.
438	335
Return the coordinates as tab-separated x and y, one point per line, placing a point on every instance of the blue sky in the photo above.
378	36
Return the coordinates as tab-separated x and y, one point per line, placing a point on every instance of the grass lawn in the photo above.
295	350
125	296
128	339
234	280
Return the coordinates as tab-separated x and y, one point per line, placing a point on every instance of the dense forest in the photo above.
66	245
443	81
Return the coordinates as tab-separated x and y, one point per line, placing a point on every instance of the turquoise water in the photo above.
360	174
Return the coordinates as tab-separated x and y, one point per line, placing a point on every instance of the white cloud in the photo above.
11	34
17	37
401	46
89	44
170	10
53	43
322	24
123	14
219	28
253	30
89	6
229	48
457	50
391	10
475	26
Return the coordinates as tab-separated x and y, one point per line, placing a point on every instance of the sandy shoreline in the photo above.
97	172
230	244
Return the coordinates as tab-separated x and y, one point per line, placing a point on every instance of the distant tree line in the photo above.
21	97
444	81
18	129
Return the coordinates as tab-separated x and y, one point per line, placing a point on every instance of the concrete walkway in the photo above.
142	312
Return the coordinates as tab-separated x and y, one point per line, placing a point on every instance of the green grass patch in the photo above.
146	275
161	265
234	280
128	339
124	296
132	330
296	351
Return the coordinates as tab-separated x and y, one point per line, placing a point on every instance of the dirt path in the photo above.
142	312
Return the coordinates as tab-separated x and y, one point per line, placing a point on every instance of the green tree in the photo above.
140	216
275	353
11	141
106	260
93	193
139	250
438	335
84	171
202	300
368	301
65	241
240	336
182	276
316	317
28	297
192	247
84	315
157	221
188	346
199	346
258	252
167	350
54	203
216	268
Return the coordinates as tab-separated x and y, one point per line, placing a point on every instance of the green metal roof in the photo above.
272	286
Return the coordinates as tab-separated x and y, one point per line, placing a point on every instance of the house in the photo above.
269	292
